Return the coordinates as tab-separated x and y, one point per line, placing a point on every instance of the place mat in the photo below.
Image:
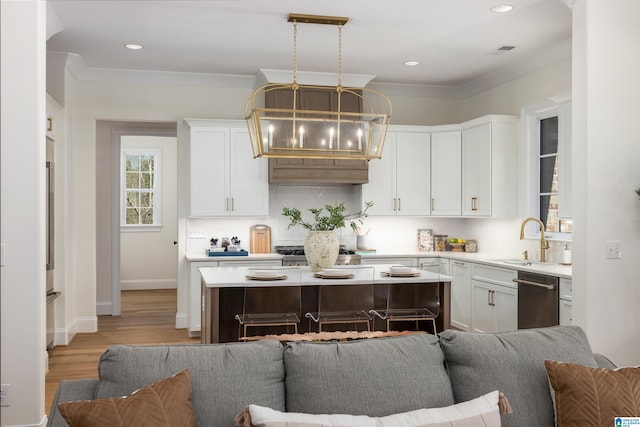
267	278
390	274
320	275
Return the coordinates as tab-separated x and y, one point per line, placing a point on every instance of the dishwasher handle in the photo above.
528	282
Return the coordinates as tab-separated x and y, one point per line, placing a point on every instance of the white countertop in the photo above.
549	268
233	277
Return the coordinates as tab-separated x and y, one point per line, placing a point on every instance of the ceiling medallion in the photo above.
350	129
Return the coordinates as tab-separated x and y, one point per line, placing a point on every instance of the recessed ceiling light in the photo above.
411	63
133	46
502	8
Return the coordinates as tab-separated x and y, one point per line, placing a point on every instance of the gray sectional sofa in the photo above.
375	377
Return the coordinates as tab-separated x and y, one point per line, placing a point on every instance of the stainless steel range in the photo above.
294	255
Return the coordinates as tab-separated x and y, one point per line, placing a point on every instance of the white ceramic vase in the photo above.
321	249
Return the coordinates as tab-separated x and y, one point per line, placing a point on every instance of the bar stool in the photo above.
411	302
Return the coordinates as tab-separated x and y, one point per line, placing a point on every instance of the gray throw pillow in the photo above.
513	362
224	377
374	377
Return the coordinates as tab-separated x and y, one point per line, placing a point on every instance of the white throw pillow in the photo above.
483	411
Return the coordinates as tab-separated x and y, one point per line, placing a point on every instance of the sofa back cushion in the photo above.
224	377
374	377
513	362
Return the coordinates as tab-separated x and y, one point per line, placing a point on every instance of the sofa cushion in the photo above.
225	377
513	362
166	403
374	377
592	397
481	412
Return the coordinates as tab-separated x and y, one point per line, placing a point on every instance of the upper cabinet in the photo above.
446	167
225	179
399	183
489	166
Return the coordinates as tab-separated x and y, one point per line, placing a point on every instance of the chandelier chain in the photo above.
295	52
339	55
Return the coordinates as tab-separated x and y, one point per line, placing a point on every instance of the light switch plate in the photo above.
613	250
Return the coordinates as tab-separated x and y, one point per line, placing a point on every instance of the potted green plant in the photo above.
321	246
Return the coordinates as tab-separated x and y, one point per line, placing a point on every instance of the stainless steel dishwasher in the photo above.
537	300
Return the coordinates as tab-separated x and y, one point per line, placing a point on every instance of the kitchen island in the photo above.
223	293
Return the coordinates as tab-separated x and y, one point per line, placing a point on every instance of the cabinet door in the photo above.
446	173
495	308
194	297
381	189
413	172
461	295
209	160
566	315
248	178
483	310
476	171
506	305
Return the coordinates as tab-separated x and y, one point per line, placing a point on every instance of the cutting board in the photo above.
260	239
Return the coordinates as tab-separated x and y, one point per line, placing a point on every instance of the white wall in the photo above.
149	259
22	83
606	155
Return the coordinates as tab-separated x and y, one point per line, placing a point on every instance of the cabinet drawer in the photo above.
566	289
498	276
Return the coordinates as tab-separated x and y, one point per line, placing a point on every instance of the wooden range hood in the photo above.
316	171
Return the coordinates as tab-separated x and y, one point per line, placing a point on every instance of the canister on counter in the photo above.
471	246
440	242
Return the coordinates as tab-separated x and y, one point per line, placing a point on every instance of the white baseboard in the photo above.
181	321
103	308
87	324
63	336
136	285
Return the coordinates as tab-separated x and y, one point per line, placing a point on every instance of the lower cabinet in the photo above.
434	265
195	291
495	299
461	294
566	302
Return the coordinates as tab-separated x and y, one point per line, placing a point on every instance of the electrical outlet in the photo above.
197	233
4	394
613	250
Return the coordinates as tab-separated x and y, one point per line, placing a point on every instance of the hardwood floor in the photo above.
148	317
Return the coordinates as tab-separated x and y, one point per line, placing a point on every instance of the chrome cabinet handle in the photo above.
399	201
433	204
474	203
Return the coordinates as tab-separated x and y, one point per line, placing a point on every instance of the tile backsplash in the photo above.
497	237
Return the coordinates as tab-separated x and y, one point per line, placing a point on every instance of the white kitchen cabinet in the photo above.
434	265
446	172
566	302
195	290
225	179
489	166
195	295
495	299
476	171
399	183
461	294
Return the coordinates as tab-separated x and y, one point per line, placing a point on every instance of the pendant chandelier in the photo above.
347	127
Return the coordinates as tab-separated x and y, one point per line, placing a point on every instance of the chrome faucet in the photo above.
544	245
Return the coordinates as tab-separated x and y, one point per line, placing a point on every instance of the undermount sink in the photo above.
521	262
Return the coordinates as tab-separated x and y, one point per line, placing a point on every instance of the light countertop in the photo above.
233	277
549	268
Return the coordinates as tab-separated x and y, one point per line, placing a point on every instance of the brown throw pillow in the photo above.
166	403
586	396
